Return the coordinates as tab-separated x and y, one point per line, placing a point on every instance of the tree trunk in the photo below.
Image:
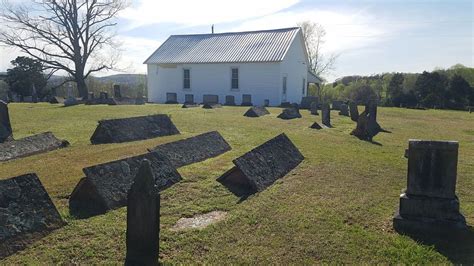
82	88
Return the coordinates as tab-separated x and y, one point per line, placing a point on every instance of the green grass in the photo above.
335	207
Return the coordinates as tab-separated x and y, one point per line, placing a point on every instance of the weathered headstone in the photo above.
6	132
143	219
344	110
230	100
430	202
336	105
307	101
290	113
367	126
326	114
354	111
211	105
26	213
194	149
314	108
117	91
133	128
105	186
256	111
261	167
31	145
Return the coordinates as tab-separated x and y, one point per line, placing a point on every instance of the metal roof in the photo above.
231	47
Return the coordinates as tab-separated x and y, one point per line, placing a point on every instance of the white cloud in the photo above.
203	12
135	50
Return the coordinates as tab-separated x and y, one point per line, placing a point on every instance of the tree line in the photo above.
451	88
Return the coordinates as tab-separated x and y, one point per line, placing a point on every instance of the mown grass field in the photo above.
336	206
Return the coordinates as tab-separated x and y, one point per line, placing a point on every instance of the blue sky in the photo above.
369	36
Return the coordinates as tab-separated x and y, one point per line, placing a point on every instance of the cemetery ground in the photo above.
336	206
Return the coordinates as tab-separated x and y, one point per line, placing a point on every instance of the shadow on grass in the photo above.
457	246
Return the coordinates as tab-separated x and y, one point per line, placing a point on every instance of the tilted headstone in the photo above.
290	113
6	132
336	105
133	128
26	213
105	186
367	126
31	145
307	101
430	201
354	111
314	108
117	91
344	110
143	219
210	99
256	111
261	167
326	114
194	149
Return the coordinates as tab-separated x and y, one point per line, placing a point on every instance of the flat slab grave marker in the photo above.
344	110
133	128
26	213
31	145
326	115
194	149
143	219
261	167
6	132
105	186
354	111
256	111
430	202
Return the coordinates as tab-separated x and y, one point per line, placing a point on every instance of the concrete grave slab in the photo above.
261	167
256	111
106	186
133	128
199	221
26	213
194	149
31	145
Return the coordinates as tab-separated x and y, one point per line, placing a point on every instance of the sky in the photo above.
369	37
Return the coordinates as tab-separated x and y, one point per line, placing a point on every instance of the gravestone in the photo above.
117	91
246	100
71	101
307	101
31	145
336	105
344	110
91	96
262	166
211	105
367	126
189	99
34	94
56	100
230	100
317	126
143	219
105	186
354	111
133	128
266	102
314	108
194	149
430	202
139	100
210	99
290	113
256	111
26	213
326	114
171	98
6	132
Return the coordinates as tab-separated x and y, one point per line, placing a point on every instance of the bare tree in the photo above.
74	36
313	35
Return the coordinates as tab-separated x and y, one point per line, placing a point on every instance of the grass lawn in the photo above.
336	206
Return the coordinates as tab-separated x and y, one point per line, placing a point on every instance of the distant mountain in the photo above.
129	79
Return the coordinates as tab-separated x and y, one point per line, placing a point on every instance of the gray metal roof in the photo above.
231	47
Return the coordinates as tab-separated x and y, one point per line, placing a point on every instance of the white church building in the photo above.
265	67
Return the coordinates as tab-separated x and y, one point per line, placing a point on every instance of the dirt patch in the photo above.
199	221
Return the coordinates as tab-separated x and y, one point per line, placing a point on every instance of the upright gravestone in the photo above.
336	105
6	132
326	115
314	108
354	111
143	219
373	128
139	99
34	94
91	95
26	213
430	202
105	186
133	128
261	167
117	91
307	101
344	110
